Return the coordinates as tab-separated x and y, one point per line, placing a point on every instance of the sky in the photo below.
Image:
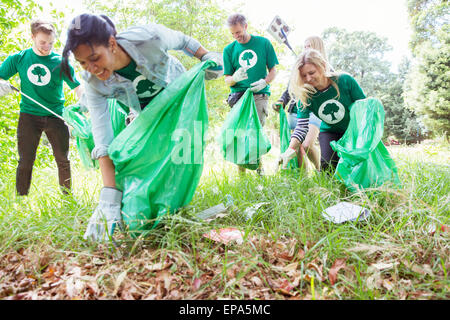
386	18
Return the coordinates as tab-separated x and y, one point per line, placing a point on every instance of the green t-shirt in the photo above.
257	54
40	78
334	112
145	89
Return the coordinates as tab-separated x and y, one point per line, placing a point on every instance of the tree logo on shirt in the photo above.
248	59
39	75
331	111
144	88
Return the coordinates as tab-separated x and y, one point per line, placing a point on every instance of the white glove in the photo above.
105	217
217	71
240	75
5	88
287	156
258	85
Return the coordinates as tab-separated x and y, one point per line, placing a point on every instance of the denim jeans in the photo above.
329	158
29	134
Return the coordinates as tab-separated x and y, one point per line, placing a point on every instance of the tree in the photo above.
247	57
39	72
427	84
400	121
331	109
359	53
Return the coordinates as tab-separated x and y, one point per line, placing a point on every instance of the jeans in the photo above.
329	159
29	134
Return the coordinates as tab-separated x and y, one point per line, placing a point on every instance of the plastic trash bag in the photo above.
364	160
159	156
81	130
242	137
285	137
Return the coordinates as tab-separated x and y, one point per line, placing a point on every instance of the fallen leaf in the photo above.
388	284
382	266
257	281
374	281
119	281
316	268
423	270
196	284
337	265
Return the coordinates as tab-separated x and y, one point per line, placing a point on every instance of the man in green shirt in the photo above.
41	79
249	62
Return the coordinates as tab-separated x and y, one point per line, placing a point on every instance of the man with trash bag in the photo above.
40	79
249	63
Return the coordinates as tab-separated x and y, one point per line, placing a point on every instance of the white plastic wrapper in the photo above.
345	211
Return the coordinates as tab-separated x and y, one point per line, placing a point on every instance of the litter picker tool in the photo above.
39	104
279	30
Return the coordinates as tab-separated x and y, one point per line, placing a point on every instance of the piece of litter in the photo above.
226	235
212	212
229	201
345	211
250	211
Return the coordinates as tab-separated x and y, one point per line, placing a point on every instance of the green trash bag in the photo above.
118	112
285	137
159	156
364	160
81	130
242	137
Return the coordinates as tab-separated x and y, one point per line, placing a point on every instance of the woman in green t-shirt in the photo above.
326	94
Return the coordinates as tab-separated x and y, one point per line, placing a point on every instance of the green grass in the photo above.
288	247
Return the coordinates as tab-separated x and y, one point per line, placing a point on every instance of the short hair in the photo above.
39	25
236	18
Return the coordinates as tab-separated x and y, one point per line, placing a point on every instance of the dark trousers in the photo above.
329	159
29	134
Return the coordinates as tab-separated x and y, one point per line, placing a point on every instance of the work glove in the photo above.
240	75
277	105
5	88
106	216
258	85
286	156
217	71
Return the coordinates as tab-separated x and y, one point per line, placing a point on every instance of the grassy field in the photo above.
289	251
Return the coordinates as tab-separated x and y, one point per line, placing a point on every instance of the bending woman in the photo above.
326	94
133	67
313	42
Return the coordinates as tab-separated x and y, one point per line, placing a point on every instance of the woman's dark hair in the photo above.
87	29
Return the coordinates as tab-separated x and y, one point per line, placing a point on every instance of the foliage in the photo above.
361	54
427	84
400	121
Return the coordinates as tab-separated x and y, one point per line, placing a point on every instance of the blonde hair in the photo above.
298	89
317	44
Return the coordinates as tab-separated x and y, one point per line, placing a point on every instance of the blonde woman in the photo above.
313	153
326	94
